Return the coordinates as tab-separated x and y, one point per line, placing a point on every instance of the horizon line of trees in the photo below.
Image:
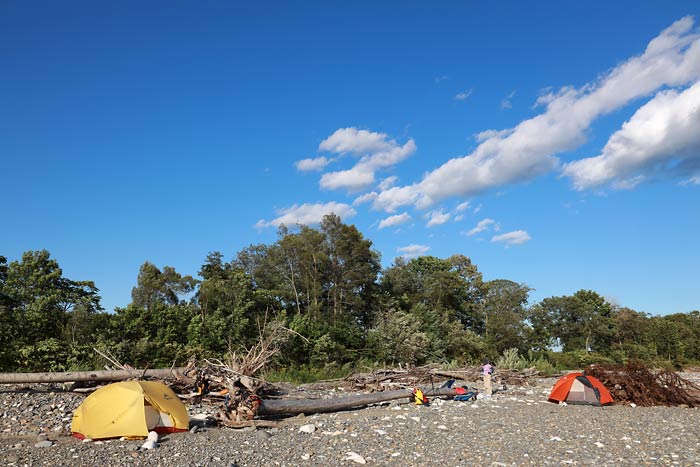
326	284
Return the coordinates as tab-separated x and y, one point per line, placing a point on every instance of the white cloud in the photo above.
389	200
462	206
516	237
459	217
388	182
440	79
695	180
376	149
489	134
665	130
393	221
629	183
506	101
389	157
365	198
352	140
464	95
438	218
317	163
353	179
529	149
308	214
481	226
412	251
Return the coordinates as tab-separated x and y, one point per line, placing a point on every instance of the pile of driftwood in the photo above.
382	379
635	383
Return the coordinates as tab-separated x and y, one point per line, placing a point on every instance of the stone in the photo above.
44	444
355	457
310	428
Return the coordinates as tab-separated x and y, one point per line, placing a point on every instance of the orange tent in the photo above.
577	388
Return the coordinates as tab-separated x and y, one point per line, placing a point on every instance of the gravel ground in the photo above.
516	427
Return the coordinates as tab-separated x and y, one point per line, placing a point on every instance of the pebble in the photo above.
355	457
310	428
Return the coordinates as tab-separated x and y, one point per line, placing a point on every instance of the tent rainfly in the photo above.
131	409
577	388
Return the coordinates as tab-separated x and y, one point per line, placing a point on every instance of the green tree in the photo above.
8	324
665	337
160	287
633	333
353	267
227	307
153	328
688	325
397	338
323	279
38	306
452	284
505	314
582	321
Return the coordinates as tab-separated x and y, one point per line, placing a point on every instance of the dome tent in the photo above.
129	408
577	388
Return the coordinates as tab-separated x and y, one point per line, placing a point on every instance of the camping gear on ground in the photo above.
465	395
131	409
419	397
151	441
447	384
577	388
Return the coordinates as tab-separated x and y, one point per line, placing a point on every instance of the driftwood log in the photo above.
101	375
297	406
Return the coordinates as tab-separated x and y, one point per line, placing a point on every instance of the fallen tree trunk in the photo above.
297	406
100	375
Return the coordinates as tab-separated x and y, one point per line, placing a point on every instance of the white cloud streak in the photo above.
365	198
481	226
516	237
352	140
413	251
694	180
462	206
353	180
388	182
666	130
393	221
307	214
438	218
529	149
306	165
464	95
377	152
506	102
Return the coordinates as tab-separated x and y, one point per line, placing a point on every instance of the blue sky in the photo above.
557	144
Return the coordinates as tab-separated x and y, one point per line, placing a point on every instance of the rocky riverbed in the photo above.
515	427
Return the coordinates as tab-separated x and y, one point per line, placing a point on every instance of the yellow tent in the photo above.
129	408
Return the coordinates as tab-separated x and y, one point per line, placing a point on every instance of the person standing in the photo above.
487	371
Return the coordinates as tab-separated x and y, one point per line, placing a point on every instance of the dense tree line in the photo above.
325	284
